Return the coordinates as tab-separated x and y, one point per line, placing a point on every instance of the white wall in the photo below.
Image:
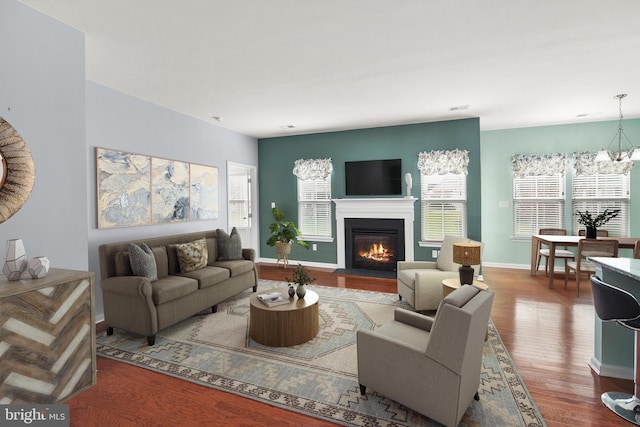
42	94
120	122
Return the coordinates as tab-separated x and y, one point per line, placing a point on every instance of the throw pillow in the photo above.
229	245
143	263
193	255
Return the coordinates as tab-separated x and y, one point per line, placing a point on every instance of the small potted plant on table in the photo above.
593	221
283	233
301	278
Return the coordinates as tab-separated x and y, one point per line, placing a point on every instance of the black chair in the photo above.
617	305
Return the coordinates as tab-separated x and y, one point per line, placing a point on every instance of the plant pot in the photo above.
283	248
591	233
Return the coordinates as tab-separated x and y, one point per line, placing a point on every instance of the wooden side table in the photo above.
450	285
284	325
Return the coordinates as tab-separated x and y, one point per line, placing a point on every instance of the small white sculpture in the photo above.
409	181
15	261
38	267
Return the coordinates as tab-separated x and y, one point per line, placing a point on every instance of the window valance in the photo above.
306	169
538	164
441	162
585	164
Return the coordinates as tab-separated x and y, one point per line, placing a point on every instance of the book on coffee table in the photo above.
273	298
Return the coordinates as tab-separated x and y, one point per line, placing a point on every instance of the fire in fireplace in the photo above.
374	244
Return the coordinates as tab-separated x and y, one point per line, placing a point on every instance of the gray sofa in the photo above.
142	306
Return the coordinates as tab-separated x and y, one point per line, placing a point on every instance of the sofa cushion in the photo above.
193	255
236	267
229	245
143	262
445	257
162	262
122	264
212	247
170	288
208	276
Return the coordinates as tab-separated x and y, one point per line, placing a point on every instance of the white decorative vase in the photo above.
15	259
301	291
38	267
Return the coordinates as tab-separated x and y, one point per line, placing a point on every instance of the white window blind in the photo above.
443	206
314	207
597	192
538	202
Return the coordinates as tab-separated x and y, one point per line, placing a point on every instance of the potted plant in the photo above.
593	221
283	233
301	278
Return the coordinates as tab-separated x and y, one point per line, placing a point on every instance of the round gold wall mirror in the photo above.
17	172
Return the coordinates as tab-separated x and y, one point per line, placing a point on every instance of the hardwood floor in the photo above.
548	332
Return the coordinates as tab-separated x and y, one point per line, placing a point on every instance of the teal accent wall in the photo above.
498	146
278	184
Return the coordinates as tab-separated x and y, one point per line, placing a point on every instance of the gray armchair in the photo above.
431	365
420	282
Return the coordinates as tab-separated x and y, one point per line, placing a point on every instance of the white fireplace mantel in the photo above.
389	208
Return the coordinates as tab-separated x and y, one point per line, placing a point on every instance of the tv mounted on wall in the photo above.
373	177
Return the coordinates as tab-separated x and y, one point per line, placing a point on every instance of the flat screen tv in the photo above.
373	177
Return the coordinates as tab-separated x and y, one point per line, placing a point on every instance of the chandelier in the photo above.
621	155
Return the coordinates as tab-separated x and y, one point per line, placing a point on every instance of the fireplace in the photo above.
373	243
400	208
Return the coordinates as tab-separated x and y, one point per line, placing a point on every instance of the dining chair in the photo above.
636	250
589	248
560	253
600	232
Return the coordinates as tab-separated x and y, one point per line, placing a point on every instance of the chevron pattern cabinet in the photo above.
47	337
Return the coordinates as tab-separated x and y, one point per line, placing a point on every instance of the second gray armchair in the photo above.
431	365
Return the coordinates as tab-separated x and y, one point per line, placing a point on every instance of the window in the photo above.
314	198
538	193
538	202
444	206
443	194
598	186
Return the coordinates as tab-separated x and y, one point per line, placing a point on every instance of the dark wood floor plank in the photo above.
548	333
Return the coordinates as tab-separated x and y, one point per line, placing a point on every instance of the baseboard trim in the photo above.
294	263
612	371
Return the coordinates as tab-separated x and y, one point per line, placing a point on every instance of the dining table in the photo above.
554	241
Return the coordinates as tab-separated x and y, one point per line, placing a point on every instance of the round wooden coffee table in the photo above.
285	325
450	285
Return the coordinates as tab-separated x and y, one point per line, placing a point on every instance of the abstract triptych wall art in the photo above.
134	189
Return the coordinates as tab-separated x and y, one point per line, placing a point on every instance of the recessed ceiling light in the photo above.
458	107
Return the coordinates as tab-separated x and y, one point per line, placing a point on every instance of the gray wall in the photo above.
42	94
120	122
62	117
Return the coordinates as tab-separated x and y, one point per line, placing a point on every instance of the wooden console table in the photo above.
47	337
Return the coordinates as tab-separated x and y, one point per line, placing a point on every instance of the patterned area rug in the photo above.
318	378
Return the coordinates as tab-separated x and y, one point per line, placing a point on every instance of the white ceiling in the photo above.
264	65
